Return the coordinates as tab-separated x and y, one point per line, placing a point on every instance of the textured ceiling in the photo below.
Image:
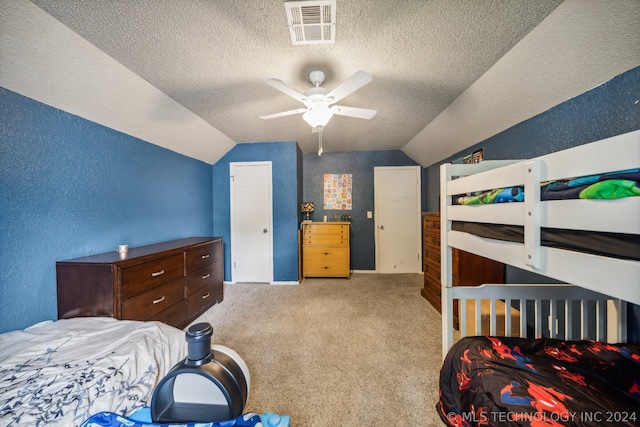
188	75
213	57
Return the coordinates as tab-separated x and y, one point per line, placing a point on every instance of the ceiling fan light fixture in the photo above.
318	116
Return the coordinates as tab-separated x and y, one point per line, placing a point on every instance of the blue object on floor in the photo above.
269	419
142	418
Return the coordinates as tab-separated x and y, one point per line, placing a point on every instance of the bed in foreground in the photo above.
553	367
540	382
62	372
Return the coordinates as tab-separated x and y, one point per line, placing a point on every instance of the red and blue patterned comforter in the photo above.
491	381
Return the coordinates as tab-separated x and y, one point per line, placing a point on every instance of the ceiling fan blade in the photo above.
279	84
360	113
349	86
283	114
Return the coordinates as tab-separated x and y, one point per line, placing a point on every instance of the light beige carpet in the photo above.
363	351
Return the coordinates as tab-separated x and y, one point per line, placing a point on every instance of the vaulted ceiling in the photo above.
446	73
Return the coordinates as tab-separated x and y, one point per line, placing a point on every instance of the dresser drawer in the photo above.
173	315
431	224
143	277
433	253
326	239
326	234
326	261
433	275
433	294
202	255
432	264
203	277
147	304
432	239
326	228
203	298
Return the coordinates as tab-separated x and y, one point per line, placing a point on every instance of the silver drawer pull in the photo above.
206	276
157	273
205	256
205	296
159	300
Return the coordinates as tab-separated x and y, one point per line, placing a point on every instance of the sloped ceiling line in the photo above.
189	75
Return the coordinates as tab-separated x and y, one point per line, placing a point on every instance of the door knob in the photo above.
382	227
264	231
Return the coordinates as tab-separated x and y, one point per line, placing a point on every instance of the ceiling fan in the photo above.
319	101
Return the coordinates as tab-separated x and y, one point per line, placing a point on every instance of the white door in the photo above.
251	222
397	219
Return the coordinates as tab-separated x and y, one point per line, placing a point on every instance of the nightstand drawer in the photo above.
147	304
143	277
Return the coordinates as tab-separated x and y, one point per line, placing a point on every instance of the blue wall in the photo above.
607	110
70	187
285	176
360	164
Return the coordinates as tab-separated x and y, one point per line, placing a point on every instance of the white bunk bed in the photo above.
592	303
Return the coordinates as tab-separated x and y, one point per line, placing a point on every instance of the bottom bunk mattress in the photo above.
491	381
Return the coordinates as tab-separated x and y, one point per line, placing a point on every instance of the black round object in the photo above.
199	343
208	385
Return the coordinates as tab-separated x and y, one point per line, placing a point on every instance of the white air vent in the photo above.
312	22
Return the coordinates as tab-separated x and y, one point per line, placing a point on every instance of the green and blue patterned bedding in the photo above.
612	185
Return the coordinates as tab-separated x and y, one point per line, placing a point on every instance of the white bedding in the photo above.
62	372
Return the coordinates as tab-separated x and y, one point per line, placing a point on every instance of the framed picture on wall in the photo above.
338	190
477	156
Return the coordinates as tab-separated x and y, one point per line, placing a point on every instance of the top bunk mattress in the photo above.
611	185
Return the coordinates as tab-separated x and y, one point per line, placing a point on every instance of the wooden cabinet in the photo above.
325	249
466	268
172	282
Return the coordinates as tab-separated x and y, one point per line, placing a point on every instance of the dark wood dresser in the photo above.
172	282
466	268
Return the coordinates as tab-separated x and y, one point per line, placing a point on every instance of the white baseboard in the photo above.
376	272
265	283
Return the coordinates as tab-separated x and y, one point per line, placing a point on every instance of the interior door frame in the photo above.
418	214
232	215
